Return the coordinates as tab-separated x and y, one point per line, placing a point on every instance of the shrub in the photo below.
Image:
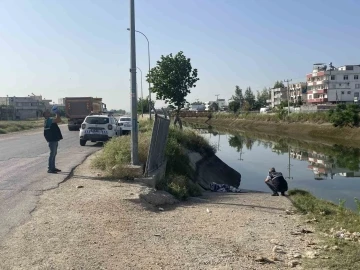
345	115
178	170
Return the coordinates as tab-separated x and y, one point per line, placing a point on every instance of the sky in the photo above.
82	48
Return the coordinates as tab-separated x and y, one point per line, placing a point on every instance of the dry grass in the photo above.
15	126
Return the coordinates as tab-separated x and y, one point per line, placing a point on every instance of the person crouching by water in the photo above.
52	135
276	182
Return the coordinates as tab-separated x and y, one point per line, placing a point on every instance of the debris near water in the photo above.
214	187
344	234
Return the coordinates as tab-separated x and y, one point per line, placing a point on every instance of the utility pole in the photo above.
288	94
134	130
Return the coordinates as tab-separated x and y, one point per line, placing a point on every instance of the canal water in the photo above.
331	172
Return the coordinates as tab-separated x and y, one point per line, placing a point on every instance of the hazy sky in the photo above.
60	48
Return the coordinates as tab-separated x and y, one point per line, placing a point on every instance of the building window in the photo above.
349	92
348	84
339	84
356	94
356	77
332	77
346	77
342	92
357	85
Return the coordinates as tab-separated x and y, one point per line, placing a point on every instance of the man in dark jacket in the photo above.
52	135
276	182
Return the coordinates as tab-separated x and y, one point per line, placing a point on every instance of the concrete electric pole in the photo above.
134	130
288	94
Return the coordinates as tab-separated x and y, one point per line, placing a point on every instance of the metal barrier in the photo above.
156	155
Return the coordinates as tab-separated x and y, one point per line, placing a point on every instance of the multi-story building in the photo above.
26	107
277	95
331	85
297	92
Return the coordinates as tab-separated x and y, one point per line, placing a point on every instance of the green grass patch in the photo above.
178	179
279	116
331	218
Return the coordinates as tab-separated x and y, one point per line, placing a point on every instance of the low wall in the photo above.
208	169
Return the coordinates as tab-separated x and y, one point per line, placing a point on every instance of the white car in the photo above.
125	124
98	128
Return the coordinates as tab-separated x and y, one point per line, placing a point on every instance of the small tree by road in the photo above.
172	80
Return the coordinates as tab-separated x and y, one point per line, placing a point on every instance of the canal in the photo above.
331	172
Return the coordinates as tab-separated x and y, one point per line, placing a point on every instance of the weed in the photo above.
116	155
357	202
328	216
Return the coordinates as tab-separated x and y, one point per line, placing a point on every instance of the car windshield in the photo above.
97	120
125	119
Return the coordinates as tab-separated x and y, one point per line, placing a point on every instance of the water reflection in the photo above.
328	171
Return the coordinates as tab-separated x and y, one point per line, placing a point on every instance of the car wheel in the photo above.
82	142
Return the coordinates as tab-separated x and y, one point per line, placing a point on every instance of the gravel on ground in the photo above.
93	223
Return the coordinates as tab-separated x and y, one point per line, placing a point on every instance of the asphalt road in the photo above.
23	171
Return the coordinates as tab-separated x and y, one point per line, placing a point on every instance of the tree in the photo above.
249	97
143	104
238	94
261	98
234	106
345	115
172	79
279	84
214	106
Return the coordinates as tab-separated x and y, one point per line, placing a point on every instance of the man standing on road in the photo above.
276	182
52	135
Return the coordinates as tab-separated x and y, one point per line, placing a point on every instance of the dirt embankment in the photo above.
303	131
92	223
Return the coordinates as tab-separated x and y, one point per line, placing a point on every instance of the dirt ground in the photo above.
89	223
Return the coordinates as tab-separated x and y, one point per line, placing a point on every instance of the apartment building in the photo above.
327	84
297	92
277	95
26	107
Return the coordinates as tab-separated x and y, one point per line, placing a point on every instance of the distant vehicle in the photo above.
125	124
264	110
77	108
98	128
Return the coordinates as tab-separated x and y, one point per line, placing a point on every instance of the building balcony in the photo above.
319	91
317	100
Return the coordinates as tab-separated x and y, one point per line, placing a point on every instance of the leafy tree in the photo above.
172	79
261	99
249	97
143	104
214	107
345	115
234	106
246	106
197	103
238	95
279	84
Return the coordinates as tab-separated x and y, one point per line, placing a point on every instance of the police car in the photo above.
98	128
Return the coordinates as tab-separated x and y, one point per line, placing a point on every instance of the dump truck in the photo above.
77	108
